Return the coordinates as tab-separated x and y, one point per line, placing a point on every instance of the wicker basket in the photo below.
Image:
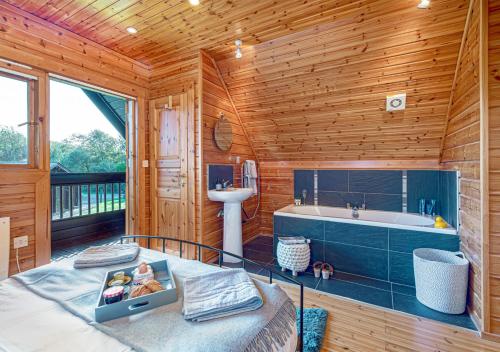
441	279
294	257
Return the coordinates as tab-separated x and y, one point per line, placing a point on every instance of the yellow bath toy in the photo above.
440	223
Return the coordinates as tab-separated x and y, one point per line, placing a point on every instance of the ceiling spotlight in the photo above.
238	54
424	4
131	30
194	2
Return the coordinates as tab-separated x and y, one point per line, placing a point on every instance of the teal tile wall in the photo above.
377	189
382	189
304	180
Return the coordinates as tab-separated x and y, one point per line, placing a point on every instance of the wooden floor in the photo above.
354	326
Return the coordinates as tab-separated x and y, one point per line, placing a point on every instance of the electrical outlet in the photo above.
21	241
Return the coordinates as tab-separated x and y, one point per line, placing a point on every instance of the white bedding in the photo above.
31	323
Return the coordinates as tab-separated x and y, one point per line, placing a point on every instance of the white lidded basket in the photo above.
294	257
441	279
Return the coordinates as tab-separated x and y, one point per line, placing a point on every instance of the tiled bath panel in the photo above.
368	290
376	252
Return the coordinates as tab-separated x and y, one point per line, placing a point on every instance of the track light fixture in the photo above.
238	53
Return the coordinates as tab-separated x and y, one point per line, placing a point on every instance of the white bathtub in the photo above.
378	218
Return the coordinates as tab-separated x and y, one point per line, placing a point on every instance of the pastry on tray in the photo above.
150	286
153	285
139	290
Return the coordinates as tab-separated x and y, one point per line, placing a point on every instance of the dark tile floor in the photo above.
381	293
68	251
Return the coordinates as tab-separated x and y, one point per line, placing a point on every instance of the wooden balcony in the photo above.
86	207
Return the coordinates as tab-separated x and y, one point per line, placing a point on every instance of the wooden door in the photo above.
169	169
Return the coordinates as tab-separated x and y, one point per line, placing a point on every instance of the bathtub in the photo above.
387	219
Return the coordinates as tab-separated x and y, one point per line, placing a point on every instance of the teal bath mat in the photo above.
314	327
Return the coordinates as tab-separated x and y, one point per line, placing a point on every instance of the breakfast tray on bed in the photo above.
129	306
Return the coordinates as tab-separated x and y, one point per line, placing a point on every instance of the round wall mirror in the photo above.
223	133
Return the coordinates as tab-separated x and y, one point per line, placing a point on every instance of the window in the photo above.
15	120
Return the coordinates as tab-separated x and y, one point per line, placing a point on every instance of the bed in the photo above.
30	322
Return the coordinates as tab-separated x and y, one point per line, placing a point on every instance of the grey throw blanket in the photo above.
219	294
164	329
106	255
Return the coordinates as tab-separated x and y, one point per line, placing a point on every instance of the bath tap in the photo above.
304	196
355	212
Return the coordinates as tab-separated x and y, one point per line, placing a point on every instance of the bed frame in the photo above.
272	271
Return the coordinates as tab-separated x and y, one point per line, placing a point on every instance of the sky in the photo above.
71	111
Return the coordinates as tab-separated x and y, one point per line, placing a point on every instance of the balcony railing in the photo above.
85	205
75	195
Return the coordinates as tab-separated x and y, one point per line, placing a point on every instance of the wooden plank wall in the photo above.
493	248
461	151
320	94
215	100
50	49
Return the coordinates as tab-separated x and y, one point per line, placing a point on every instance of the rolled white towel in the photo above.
106	255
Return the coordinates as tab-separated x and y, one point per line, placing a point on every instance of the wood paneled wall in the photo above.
47	48
24	199
320	94
493	90
214	101
461	151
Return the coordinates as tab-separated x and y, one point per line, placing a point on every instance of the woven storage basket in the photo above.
294	257
441	279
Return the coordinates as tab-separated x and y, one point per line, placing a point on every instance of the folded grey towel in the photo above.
219	294
106	255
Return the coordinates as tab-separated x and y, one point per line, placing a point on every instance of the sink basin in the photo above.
230	195
232	198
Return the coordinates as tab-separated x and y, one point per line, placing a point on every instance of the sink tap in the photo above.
226	184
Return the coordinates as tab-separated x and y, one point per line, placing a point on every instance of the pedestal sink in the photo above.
232	198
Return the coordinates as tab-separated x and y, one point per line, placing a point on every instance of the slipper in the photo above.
317	269
326	271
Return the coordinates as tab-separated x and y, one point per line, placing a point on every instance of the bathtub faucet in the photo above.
304	196
355	212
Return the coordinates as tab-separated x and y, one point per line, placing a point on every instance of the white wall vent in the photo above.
396	102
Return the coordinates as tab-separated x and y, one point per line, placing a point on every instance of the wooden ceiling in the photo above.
319	94
315	73
173	28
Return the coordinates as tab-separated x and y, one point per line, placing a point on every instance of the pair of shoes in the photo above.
322	269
